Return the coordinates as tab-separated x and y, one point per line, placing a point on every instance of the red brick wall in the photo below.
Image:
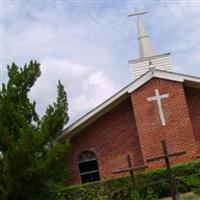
111	138
193	100
178	132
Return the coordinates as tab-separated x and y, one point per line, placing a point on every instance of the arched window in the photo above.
88	167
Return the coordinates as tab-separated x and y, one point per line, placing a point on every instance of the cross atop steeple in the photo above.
145	46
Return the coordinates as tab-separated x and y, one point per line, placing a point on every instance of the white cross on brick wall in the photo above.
158	98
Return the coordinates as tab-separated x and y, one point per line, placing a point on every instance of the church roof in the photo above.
124	93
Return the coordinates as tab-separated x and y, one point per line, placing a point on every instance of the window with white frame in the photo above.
88	167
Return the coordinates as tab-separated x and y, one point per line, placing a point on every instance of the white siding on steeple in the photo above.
141	66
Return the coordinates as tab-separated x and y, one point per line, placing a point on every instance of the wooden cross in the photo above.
158	98
131	169
166	157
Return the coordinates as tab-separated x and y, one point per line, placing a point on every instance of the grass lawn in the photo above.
188	196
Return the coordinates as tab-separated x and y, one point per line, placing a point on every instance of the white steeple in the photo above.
145	46
147	56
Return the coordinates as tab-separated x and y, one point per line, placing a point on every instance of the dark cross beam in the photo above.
166	157
131	169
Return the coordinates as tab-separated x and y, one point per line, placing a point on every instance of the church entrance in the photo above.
88	167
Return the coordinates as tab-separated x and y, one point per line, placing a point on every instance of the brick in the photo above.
193	101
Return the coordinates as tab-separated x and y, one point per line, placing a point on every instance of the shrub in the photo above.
149	195
187	179
194	183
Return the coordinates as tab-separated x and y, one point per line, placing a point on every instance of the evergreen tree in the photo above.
32	165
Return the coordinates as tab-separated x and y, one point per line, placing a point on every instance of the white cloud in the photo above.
86	87
97	88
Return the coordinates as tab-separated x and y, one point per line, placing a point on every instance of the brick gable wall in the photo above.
111	138
193	101
178	132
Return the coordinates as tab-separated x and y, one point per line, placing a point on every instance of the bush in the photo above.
156	181
194	183
143	196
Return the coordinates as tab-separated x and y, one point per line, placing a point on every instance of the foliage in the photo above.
194	183
128	194
151	184
149	195
32	165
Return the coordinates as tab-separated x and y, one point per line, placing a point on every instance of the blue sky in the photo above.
87	44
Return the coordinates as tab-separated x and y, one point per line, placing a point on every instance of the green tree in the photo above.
33	164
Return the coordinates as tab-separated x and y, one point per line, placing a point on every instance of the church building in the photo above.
158	105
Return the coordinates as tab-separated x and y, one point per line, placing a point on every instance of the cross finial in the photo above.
145	46
136	13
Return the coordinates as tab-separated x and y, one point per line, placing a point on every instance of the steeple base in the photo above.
142	65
